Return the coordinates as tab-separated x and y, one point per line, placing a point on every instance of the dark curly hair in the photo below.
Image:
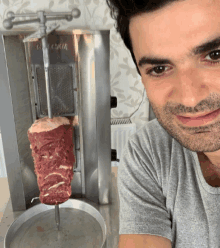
123	10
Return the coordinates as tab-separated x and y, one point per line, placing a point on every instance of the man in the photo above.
169	174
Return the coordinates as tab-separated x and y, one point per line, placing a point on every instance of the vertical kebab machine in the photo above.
56	73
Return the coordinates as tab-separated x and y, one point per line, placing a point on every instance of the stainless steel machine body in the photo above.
80	86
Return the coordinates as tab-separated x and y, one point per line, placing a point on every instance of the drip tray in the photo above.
81	225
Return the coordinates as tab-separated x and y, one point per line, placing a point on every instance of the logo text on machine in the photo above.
61	46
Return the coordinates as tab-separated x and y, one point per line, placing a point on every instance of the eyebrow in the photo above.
206	47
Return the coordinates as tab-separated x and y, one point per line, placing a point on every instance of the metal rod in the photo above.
47	81
47	78
46	61
25	21
43	17
13	15
57	216
58	13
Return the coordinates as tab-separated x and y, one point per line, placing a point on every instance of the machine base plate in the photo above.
81	225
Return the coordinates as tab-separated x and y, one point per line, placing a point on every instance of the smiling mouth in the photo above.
200	120
199	116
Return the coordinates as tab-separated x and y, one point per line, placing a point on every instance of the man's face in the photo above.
187	85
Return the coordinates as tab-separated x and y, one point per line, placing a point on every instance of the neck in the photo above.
211	157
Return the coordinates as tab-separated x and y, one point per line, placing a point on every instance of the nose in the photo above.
191	87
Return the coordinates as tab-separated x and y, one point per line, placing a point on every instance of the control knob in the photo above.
114	155
113	102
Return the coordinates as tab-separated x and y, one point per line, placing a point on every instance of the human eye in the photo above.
214	55
159	70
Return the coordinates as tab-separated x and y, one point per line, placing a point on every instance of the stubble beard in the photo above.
198	139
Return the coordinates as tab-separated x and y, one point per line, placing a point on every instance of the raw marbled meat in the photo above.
52	151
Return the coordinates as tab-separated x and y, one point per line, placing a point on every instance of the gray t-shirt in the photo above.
162	191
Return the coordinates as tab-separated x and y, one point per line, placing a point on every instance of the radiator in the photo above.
121	130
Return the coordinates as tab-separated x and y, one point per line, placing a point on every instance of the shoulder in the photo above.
152	137
153	149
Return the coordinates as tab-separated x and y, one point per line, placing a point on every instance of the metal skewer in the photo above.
43	34
46	59
57	216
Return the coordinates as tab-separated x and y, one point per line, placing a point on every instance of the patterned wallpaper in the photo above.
126	83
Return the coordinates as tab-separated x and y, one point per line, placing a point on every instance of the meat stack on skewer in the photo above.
52	150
